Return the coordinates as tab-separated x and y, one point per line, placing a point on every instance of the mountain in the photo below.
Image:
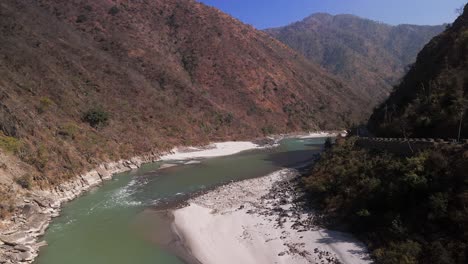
368	55
83	82
407	204
432	99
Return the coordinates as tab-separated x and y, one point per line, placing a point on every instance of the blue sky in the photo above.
273	13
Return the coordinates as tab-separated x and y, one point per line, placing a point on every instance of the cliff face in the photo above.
86	82
432	99
369	55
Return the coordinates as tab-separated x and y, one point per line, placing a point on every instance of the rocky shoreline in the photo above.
19	242
19	239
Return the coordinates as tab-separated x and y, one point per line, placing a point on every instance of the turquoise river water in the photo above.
99	227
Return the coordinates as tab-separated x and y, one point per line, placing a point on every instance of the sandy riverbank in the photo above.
209	151
20	234
323	134
256	221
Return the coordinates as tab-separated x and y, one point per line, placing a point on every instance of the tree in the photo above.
460	104
96	117
328	143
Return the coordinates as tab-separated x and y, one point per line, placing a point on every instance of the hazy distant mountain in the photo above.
433	97
83	82
368	55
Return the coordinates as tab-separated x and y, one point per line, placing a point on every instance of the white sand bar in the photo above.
223	226
213	150
323	134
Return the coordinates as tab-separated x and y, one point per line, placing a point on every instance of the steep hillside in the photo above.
369	55
431	101
408	209
409	206
82	82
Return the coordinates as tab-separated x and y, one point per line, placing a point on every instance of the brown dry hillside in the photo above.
83	82
369	55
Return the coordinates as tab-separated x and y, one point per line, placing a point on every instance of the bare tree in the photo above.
463	103
460	126
403	126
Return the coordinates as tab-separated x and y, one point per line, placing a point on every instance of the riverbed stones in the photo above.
43	243
92	178
25	256
104	174
22	248
37	223
131	165
17	238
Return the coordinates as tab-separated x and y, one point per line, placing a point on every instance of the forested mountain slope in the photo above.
408	206
431	101
369	55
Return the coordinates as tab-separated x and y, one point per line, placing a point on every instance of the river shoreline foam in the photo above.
20	234
257	221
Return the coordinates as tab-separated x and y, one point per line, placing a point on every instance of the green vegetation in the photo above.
114	11
438	110
88	8
81	19
96	117
44	104
224	119
268	130
6	204
190	63
328	143
40	157
10	144
69	130
25	181
432	99
408	209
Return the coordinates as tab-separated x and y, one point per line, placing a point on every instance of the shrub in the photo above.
224	119
25	181
44	104
252	110
114	11
39	158
190	62
404	253
81	19
88	8
268	130
10	144
6	205
69	130
399	205
328	143
96	117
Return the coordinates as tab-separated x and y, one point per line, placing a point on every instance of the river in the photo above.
100	227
